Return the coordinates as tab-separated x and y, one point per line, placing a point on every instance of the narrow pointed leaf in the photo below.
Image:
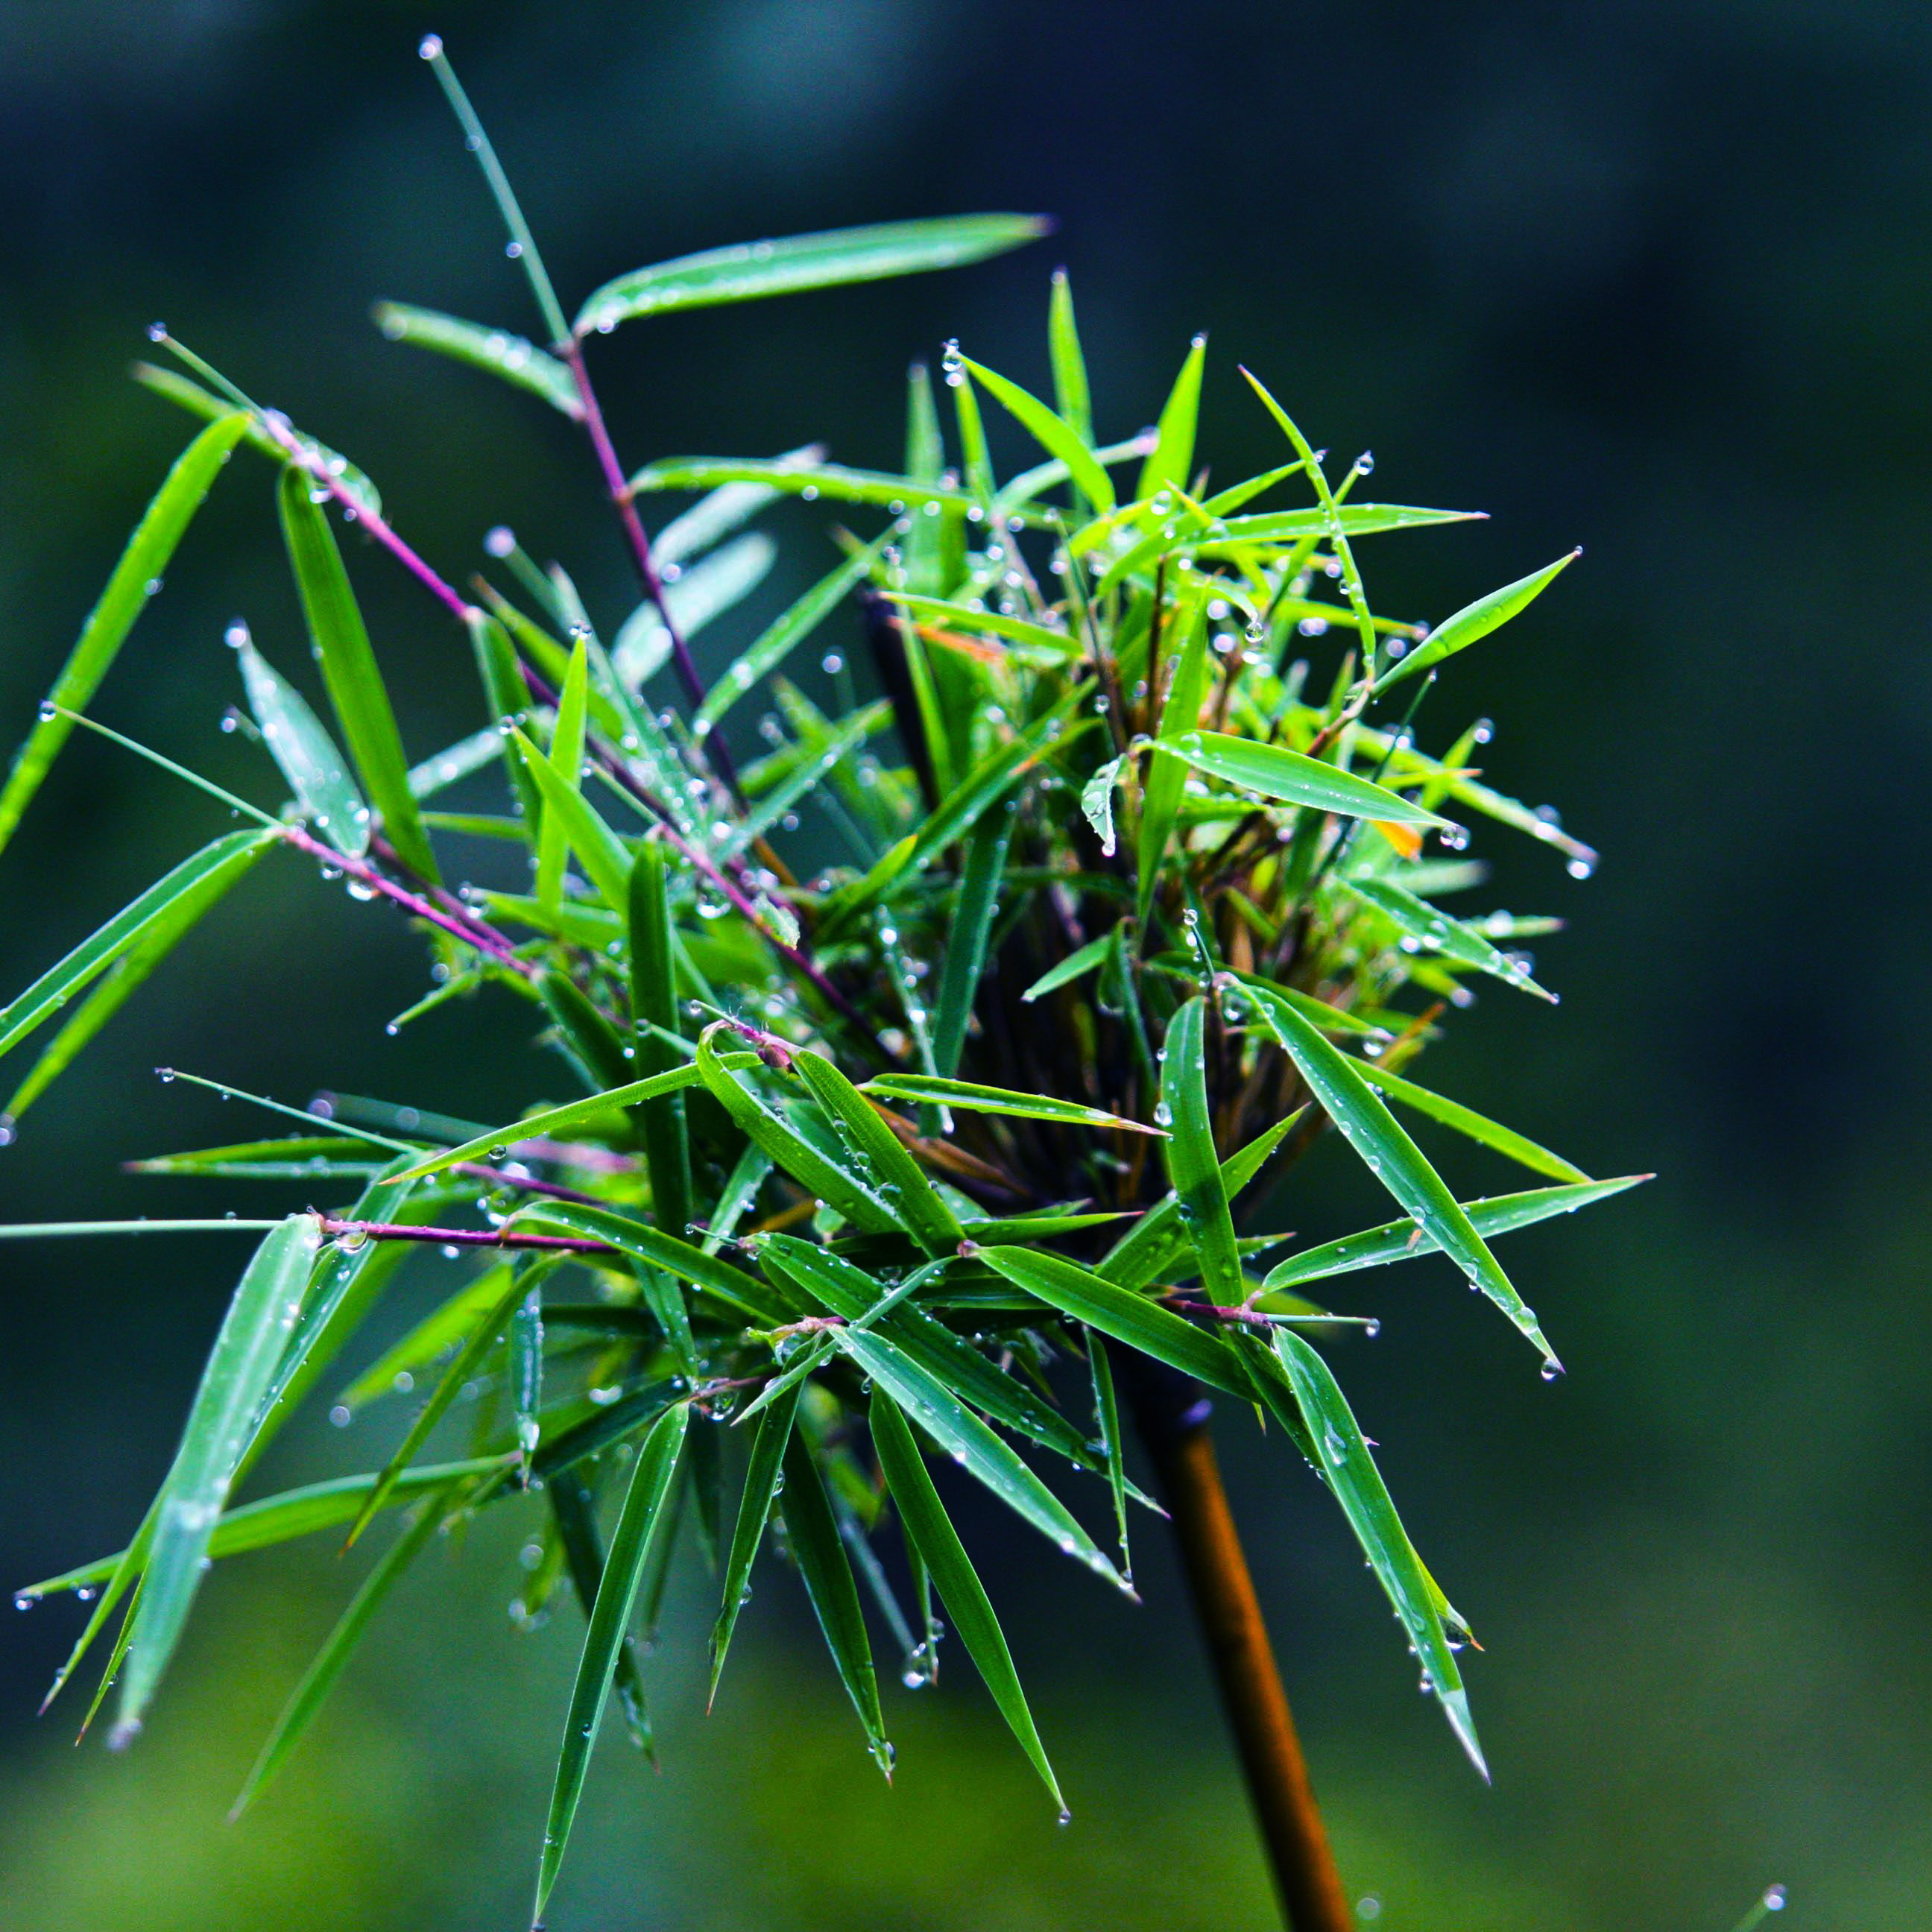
1193	1167
931	1533
971	924
1070	395
252	1334
753	269
1351	1474
349	669
832	481
1076	965
574	1509
1273	771
135	579
1373	1131
566	762
1055	436
512	357
307	755
604	857
654	1013
827	1572
1466	1121
1113	1445
754	1506
1455	940
1399	1240
639	1523
972	1097
1171	461
1474	622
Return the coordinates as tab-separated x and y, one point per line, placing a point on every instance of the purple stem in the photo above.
464	1237
614	481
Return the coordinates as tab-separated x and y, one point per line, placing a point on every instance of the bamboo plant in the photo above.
920	1073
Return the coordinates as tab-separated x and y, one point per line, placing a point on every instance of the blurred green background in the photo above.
1652	278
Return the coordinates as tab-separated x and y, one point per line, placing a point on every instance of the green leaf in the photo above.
931	1533
639	1523
1076	965
504	696
574	1509
1181	713
966	937
1193	1167
1113	1444
973	1098
240	1366
896	1177
654	1013
307	755
1398	1241
823	1563
1350	1102
1054	435
940	1411
709	587
784	476
591	1112
753	269
136	578
348	669
784	635
298	1157
156	912
445	1326
310	1694
1356	520
837	1186
1054	646
1350	1473
1070	395
754	1507
511	357
1275	772
727	509
1172	459
566	762
1132	1319
604	857
1466	1121
134	956
1474	622
1435	932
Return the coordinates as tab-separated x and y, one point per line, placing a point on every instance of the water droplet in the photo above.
500	540
1774	1898
50	711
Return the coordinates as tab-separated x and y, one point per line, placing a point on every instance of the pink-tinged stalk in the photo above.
464	1237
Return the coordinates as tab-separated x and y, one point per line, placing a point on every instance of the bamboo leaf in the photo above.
780	474
783	635
445	1326
827	1572
967	935
973	1098
309	760
253	1333
496	350
1350	1473
1466	1121
573	1116
940	612
931	1532
939	1412
653	1014
1181	713
349	669
574	1509
754	1507
155	912
639	1523
1070	395
712	586
1474	622
1054	435
566	762
1399	1240
1435	932
725	509
604	857
1171	460
1275	772
754	269
1127	1317
1076	965
1113	1444
135	579
1350	1102
1193	1167
896	1177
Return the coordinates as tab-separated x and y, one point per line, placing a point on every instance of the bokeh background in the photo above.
1652	278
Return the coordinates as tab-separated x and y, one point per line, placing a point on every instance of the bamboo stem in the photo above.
1172	1416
